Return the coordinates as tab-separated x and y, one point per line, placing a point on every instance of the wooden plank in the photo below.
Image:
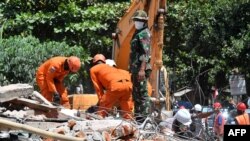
33	104
48	111
83	101
13	125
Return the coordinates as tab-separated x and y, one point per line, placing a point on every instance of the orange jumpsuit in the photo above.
112	85
49	78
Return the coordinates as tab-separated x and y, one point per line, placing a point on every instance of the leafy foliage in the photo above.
83	22
206	41
20	57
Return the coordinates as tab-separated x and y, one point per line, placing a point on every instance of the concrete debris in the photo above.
42	133
32	104
38	95
96	136
15	113
14	91
2	109
71	123
26	115
69	112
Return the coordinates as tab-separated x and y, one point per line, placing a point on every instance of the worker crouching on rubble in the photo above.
112	85
178	125
50	76
197	127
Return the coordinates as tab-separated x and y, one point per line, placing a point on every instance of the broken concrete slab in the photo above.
99	124
14	91
33	104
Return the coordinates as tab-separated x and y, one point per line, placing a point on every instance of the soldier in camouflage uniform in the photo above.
140	67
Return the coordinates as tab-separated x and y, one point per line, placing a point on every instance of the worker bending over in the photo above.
112	85
179	124
50	76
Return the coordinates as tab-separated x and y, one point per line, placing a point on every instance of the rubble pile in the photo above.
26	115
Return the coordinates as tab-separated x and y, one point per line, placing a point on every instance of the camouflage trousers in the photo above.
142	105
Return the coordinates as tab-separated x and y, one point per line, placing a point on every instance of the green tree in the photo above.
87	23
205	40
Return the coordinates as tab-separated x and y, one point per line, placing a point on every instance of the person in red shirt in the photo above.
112	85
50	76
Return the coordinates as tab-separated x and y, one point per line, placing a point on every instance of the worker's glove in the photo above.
93	108
56	98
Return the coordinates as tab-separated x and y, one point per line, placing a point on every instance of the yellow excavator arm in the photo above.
125	30
121	48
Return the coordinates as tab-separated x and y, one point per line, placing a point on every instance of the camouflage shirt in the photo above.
140	50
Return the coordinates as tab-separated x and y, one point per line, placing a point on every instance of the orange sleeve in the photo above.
97	85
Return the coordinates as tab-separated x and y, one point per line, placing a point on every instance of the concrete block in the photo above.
14	91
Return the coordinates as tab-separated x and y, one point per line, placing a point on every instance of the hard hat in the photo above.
217	105
99	57
110	62
183	116
74	63
197	107
241	106
140	15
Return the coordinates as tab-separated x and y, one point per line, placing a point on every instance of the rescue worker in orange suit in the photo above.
242	117
112	63
50	76
112	85
219	121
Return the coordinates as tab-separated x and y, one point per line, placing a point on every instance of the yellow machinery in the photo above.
121	44
125	30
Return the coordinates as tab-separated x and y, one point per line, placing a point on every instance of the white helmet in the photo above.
110	62
183	116
197	107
